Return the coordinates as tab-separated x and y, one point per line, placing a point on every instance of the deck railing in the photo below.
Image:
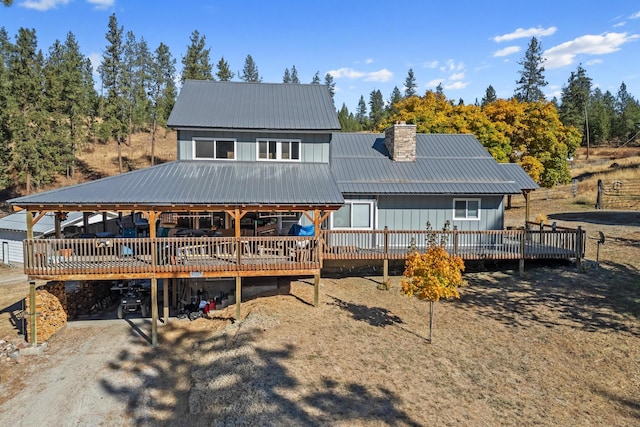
182	256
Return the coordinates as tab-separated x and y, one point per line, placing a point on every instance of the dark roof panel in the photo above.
203	182
445	164
237	105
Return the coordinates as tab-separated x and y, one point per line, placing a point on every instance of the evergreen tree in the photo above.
250	71
294	75
529	86
136	83
348	123
328	81
376	105
600	117
575	99
396	97
162	91
489	96
286	78
196	63
410	84
361	113
224	73
114	114
8	107
440	90
316	78
35	154
70	95
628	120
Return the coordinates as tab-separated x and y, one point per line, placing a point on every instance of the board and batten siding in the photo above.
411	212
314	148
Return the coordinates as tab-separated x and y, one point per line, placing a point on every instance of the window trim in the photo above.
467	200
372	207
194	140
279	142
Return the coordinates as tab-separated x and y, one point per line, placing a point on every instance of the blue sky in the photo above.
368	45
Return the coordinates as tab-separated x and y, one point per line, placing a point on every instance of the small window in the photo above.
354	214
466	209
213	149
278	150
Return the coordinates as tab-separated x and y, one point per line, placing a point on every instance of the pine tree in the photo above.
114	117
489	96
136	83
376	105
294	75
628	120
250	71
328	81
224	73
410	84
574	101
162	91
196	63
396	96
361	113
529	86
8	107
316	78
286	78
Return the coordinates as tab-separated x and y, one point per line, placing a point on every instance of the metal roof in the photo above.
445	164
265	106
191	182
46	224
522	178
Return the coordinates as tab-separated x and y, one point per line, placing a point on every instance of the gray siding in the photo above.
11	247
314	147
412	212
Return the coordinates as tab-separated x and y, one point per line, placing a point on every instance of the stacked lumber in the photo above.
50	316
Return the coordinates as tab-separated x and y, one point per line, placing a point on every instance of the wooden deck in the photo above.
194	257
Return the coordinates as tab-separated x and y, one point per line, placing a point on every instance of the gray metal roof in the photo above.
46	224
236	105
445	164
522	178
190	182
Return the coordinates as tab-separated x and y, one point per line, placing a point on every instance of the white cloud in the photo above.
101	4
455	85
368	61
456	76
431	64
451	65
594	62
565	53
635	15
619	24
383	75
43	5
434	82
521	33
345	73
506	51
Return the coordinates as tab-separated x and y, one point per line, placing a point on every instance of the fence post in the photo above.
455	240
522	250
385	261
599	198
579	246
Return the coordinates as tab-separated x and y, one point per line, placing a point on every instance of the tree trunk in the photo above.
153	142
119	155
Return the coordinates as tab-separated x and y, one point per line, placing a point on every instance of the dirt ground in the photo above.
557	346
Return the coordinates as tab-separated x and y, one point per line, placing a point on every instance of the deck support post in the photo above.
165	300
523	237
154	311
579	246
316	290
33	329
385	262
238	296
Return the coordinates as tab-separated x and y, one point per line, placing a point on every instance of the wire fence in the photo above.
618	194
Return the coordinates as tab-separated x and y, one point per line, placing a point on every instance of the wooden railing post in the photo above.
385	261
523	238
579	246
456	239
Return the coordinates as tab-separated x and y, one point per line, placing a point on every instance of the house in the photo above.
256	158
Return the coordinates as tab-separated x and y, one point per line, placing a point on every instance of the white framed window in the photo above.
356	214
467	209
278	149
213	149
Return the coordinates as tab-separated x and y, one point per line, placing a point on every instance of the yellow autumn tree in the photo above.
434	274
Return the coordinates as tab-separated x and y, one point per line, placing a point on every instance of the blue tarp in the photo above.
302	230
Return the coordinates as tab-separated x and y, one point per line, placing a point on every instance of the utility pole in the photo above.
586	124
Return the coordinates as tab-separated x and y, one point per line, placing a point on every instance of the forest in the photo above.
52	109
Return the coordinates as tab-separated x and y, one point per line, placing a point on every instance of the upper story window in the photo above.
278	149
208	149
466	209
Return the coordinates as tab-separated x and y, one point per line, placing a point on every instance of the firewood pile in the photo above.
50	315
87	298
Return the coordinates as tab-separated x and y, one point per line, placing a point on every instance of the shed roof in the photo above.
445	164
191	183
264	106
522	178
46	225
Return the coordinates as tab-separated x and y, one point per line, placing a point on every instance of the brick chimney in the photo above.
400	140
